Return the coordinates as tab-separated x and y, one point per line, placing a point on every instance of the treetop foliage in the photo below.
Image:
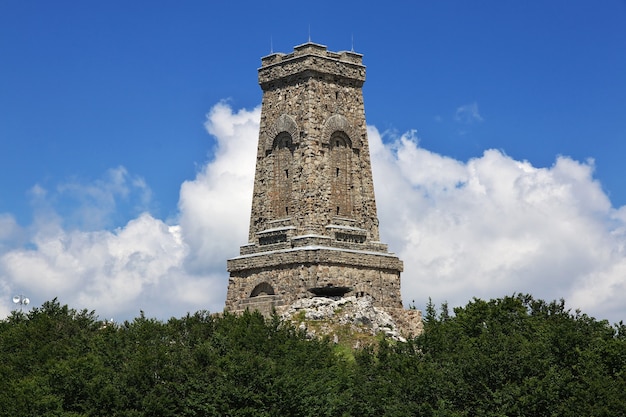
514	356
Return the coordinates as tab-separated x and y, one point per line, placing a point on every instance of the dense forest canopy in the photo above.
514	356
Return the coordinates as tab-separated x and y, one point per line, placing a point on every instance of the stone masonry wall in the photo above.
310	98
313	219
290	282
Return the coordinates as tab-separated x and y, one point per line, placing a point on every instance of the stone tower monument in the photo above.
313	227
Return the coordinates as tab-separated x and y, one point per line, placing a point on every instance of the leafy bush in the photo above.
514	356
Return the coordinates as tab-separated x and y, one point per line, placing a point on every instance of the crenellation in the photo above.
310	61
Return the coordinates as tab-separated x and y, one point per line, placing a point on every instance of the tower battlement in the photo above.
314	59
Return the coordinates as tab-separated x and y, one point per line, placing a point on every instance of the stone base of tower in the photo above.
273	280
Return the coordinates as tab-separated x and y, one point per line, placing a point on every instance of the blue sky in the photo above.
104	135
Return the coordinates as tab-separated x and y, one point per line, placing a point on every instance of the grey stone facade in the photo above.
313	222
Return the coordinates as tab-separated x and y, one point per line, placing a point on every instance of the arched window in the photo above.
282	151
263	288
282	141
340	174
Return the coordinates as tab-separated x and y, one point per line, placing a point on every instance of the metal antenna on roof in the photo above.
271	45
352	50
309	33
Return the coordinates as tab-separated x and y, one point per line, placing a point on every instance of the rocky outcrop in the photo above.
339	317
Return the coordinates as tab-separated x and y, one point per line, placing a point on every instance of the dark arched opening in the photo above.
263	288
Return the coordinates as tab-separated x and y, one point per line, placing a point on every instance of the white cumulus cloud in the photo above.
487	227
494	226
215	206
163	269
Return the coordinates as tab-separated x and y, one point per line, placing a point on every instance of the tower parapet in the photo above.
314	59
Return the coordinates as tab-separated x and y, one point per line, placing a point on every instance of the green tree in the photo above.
514	356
